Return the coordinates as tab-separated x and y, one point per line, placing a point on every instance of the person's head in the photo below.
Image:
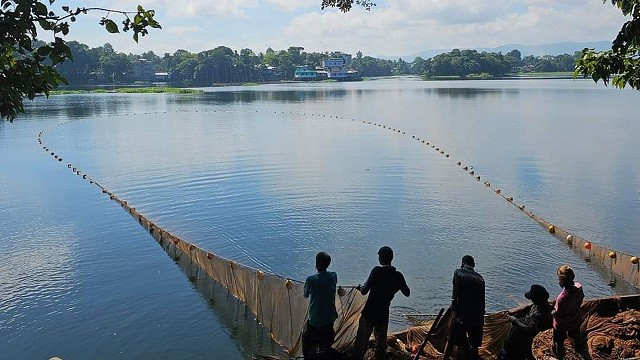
467	260
537	294
565	276
385	255
322	261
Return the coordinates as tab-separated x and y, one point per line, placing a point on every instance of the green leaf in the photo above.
111	26
44	50
41	9
44	24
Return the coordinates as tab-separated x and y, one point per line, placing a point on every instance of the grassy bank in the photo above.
157	90
130	90
559	74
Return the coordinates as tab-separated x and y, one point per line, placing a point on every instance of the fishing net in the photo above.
277	302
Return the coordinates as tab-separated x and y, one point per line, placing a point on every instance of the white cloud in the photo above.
291	5
410	26
190	8
183	29
395	27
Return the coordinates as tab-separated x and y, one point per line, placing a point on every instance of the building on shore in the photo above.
305	73
143	70
335	68
161	77
270	73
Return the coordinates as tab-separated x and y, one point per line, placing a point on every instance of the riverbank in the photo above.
516	76
178	90
130	90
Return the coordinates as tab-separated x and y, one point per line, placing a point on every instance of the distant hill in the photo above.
535	50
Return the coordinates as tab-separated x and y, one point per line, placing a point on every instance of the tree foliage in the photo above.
621	64
27	65
345	5
222	65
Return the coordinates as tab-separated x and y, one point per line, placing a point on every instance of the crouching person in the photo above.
518	345
318	334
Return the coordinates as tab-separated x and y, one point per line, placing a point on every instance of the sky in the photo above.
393	28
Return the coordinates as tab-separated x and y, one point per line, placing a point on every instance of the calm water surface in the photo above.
269	175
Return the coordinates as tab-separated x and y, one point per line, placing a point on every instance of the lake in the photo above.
269	175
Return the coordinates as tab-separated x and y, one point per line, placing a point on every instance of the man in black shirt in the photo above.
383	283
467	303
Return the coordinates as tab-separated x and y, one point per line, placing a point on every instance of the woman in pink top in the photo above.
566	313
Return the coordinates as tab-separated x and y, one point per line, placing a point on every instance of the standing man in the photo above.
318	335
467	303
566	313
383	283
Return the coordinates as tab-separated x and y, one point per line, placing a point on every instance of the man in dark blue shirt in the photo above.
467	303
321	288
383	283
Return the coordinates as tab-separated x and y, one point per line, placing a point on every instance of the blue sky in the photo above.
394	27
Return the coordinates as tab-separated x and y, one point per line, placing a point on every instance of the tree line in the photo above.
465	63
222	65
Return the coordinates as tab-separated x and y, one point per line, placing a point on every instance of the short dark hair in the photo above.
322	261
386	255
468	260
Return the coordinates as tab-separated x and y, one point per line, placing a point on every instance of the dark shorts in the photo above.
464	333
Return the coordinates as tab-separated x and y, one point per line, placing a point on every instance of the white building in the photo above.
143	70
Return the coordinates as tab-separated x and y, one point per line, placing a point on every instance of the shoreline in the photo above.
160	89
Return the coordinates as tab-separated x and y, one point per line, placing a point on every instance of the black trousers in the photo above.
317	341
558	341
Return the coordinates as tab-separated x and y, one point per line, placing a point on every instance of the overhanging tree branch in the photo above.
27	67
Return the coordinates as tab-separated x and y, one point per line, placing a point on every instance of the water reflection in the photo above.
470	93
38	274
248	96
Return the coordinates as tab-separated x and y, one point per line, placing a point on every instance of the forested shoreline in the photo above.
222	65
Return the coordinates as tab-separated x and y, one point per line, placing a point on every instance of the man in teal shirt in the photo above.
321	288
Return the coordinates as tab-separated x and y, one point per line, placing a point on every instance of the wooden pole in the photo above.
426	338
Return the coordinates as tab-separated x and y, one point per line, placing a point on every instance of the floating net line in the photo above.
278	303
618	264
